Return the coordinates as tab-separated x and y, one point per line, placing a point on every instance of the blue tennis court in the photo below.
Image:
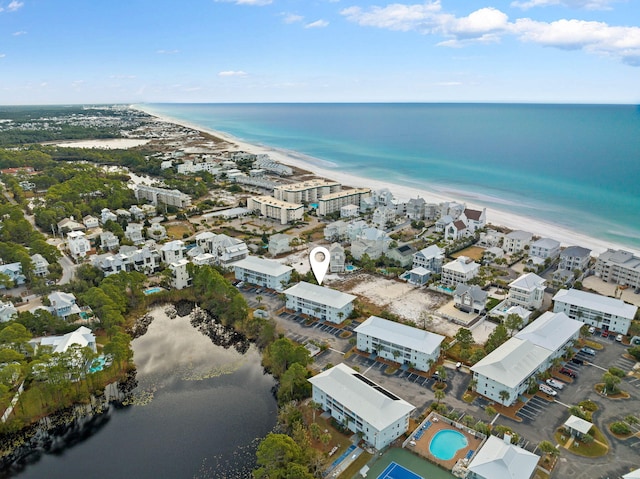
396	471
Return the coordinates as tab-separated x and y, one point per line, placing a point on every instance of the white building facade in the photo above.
320	302
262	272
527	291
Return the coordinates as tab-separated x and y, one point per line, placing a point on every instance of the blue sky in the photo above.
72	51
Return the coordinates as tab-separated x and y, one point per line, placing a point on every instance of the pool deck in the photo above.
422	445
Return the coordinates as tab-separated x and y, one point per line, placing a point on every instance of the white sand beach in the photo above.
105	144
494	216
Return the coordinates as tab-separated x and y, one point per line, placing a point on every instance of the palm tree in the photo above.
439	395
504	395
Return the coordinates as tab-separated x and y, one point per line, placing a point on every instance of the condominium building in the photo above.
361	405
602	312
263	272
619	267
332	202
162	195
399	343
306	191
545	248
319	302
273	208
516	241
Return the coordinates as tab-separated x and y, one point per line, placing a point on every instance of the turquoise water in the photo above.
152	290
446	443
573	165
98	364
342	457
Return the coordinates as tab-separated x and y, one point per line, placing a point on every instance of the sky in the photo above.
134	51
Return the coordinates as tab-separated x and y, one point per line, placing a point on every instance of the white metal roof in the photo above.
364	398
400	334
547	243
578	424
462	265
632	475
551	330
264	266
320	294
596	302
499	460
528	281
512	362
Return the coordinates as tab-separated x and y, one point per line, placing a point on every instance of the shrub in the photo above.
635	352
620	428
617	372
588	405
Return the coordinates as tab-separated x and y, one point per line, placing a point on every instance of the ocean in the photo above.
576	166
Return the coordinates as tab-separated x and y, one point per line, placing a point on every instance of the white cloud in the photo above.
14	5
490	25
122	77
584	4
317	24
291	18
593	37
167	52
232	73
2	55
17	34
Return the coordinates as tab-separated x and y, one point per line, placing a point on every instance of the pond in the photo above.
199	410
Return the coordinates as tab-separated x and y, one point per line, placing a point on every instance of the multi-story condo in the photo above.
516	241
619	267
306	191
574	257
527	291
430	258
545	248
319	302
602	312
162	195
505	373
273	208
459	271
399	342
333	202
361	405
263	272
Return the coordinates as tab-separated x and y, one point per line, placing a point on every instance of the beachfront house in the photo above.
470	299
527	291
574	258
416	209
619	267
499	459
516	241
399	342
475	219
430	258
363	406
337	258
608	314
319	302
78	244
460	270
544	248
262	272
504	374
455	230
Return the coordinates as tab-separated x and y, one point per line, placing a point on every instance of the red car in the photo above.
568	372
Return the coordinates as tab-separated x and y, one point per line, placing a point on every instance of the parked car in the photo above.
589	351
605	334
555	384
592	330
577	361
619	338
547	390
568	372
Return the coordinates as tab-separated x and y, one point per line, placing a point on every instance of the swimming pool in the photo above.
446	443
98	364
350	267
152	290
342	457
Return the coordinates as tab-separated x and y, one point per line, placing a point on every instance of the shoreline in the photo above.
496	217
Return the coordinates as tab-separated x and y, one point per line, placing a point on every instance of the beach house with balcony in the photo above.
363	406
430	258
180	277
574	258
109	241
619	267
527	291
78	244
319	302
337	258
460	270
608	314
62	304
172	251
516	241
470	299
399	342
544	248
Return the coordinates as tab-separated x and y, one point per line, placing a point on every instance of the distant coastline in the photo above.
495	216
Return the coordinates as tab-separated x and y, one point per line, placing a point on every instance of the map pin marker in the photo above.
319	259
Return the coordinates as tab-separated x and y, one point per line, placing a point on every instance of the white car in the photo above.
555	384
592	329
619	338
546	389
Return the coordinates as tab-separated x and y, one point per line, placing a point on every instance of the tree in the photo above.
282	353
611	383
496	338
504	395
464	338
490	411
439	395
274	454
513	323
294	384
442	373
15	336
547	447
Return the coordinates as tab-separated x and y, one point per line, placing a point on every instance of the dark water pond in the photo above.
199	411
